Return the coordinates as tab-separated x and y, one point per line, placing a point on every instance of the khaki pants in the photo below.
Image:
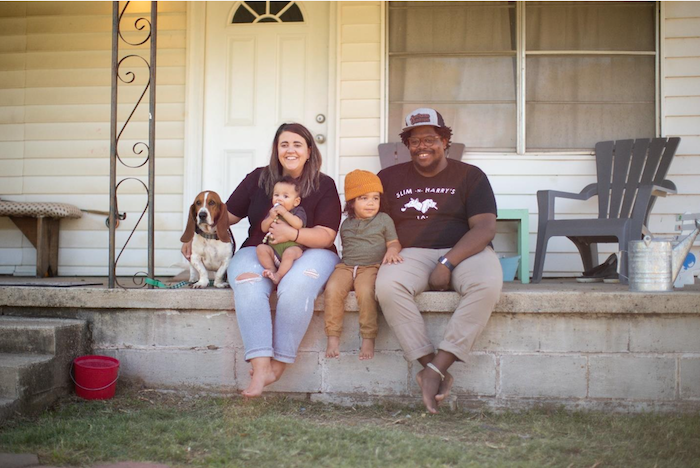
339	285
478	280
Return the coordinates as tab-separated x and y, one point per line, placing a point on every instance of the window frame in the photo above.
521	55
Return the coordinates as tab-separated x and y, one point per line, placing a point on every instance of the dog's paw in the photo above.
222	284
200	284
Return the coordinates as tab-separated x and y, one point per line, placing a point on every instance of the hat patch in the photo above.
420	118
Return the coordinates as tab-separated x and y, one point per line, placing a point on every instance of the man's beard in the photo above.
426	169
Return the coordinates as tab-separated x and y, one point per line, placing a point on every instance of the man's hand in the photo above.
440	278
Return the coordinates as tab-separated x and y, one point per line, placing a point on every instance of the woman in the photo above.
271	346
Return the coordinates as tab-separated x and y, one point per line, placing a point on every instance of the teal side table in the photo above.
523	219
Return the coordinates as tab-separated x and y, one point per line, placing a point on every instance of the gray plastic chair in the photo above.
630	173
395	153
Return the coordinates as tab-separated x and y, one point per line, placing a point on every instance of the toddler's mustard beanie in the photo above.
359	182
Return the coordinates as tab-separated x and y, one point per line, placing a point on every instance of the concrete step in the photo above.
25	373
7	407
39	335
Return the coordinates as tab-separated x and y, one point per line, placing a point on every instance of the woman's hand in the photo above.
282	232
187	250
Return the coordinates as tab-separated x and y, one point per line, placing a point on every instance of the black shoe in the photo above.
607	269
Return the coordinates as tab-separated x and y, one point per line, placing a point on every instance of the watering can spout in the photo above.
681	250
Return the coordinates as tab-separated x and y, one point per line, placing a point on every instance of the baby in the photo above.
277	259
369	239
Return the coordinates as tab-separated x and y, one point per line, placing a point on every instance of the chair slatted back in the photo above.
624	166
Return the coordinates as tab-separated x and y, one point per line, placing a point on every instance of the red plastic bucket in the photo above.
95	377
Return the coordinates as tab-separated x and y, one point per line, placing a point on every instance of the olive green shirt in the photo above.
364	240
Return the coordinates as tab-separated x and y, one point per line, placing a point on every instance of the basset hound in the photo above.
212	242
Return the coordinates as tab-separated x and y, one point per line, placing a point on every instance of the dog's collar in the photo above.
205	235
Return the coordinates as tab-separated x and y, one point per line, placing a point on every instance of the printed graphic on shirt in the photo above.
422	206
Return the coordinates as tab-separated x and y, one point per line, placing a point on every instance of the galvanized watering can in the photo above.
654	264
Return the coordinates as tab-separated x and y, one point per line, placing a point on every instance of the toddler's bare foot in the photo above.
367	349
333	347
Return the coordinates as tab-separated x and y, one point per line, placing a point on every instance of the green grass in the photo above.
230	432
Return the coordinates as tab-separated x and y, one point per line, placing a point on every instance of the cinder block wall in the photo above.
581	350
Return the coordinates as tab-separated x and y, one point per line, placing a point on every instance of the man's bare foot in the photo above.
333	347
367	349
429	382
445	387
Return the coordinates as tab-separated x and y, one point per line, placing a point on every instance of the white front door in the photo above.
266	64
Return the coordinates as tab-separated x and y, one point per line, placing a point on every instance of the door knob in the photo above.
320	118
320	139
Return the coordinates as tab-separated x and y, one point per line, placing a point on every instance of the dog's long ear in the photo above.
222	225
189	230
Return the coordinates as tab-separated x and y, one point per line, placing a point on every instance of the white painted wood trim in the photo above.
384	74
520	79
661	61
383	70
333	144
194	103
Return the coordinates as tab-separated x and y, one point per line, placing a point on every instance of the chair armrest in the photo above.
546	198
667	187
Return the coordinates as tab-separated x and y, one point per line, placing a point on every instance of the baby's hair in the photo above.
291	181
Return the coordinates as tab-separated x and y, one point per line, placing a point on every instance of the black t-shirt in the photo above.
322	206
434	212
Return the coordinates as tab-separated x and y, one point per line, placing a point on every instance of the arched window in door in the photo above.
268	12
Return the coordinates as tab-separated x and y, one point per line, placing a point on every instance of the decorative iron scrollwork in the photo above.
122	72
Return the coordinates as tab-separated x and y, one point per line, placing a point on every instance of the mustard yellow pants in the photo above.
340	283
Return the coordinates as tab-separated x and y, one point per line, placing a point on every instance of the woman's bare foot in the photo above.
429	382
333	347
271	275
261	378
264	372
277	368
367	349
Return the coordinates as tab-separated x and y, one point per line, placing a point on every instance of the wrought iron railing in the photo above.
123	71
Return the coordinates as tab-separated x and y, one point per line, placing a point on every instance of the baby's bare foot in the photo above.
333	347
271	275
367	349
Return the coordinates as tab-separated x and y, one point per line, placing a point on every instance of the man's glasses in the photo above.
414	142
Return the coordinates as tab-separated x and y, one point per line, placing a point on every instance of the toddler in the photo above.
277	259
369	239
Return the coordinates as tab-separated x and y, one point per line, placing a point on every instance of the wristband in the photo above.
297	237
446	262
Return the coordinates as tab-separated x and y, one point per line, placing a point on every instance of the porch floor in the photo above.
548	285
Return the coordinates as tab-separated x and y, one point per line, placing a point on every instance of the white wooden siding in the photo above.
681	106
360	81
54	130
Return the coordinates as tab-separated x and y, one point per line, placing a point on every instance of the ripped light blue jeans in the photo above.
296	294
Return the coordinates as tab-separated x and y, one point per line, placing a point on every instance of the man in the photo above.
445	216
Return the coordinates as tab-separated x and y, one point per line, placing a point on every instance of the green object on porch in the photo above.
521	216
